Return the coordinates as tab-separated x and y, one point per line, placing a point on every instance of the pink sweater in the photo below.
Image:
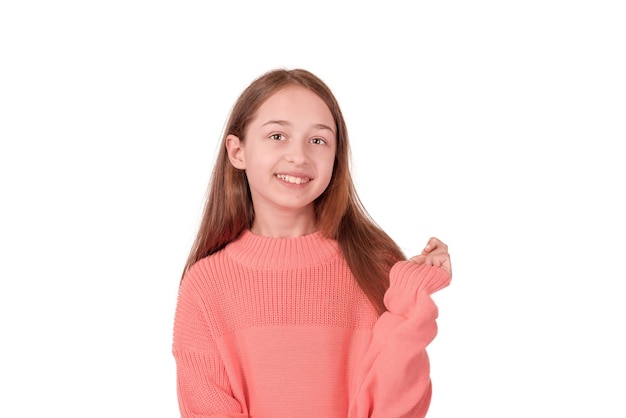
278	327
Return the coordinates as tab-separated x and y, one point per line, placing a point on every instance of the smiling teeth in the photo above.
293	180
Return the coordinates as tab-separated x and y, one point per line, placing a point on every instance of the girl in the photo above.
293	302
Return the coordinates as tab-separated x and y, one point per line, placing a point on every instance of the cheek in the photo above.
328	171
257	163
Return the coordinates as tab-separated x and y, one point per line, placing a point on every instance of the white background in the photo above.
496	126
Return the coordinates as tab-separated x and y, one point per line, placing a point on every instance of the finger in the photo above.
441	262
434	243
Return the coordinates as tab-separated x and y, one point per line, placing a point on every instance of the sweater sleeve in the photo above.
394	376
202	384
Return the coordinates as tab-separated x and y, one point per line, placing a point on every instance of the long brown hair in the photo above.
228	210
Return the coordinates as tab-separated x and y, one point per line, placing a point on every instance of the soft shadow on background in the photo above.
494	126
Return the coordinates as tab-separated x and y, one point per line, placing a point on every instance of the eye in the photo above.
318	141
277	137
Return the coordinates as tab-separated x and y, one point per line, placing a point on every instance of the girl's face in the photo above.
288	152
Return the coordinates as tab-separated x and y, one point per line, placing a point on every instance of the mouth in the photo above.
293	179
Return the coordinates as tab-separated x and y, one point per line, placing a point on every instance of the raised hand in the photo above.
435	253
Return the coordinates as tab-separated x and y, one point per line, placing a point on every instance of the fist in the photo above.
435	253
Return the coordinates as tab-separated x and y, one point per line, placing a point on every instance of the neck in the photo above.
284	225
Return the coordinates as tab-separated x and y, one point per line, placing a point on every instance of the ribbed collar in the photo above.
266	252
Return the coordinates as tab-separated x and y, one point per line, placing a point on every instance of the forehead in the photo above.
295	102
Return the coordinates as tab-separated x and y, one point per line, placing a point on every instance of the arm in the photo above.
394	379
202	384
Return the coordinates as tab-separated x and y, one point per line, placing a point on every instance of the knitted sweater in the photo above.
278	327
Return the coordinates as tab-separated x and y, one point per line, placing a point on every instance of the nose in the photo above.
297	152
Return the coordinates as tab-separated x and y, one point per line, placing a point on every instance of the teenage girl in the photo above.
293	302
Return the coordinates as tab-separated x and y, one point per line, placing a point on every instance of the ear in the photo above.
234	148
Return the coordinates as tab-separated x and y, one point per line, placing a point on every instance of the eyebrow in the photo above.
286	123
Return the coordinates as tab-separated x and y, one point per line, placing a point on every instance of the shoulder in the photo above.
204	274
